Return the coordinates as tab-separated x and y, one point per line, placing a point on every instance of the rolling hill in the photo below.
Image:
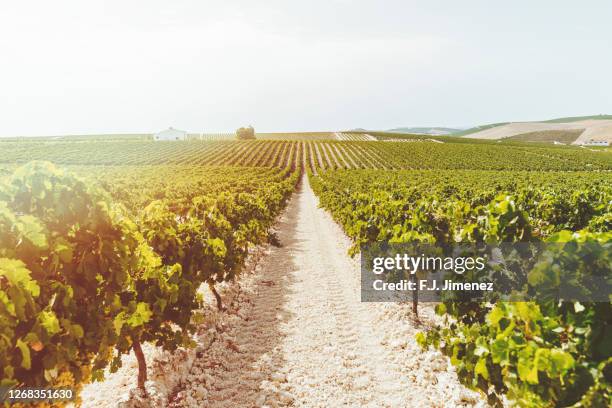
434	131
577	129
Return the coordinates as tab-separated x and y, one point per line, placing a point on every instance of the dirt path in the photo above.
295	334
300	336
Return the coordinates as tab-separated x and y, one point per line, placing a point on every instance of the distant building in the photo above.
170	134
596	143
558	143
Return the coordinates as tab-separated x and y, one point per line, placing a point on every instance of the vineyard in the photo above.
129	230
128	245
316	155
212	136
297	136
355	137
540	353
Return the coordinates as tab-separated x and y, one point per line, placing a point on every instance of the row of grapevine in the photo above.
296	136
434	155
321	155
488	157
248	153
213	136
137	186
134	257
355	137
538	353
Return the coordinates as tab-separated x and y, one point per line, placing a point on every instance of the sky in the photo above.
79	67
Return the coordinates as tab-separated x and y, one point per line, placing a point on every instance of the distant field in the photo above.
569	119
578	129
590	129
92	137
355	136
297	136
319	155
211	136
548	136
397	136
479	128
452	139
434	131
578	118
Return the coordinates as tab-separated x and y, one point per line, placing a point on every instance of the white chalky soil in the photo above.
296	334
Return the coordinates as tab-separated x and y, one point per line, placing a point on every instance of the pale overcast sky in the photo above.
73	67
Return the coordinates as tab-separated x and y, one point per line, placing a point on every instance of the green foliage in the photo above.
84	272
541	353
67	254
321	153
245	133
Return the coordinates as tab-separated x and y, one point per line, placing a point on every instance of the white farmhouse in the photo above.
170	134
596	143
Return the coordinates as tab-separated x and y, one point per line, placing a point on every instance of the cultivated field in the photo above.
222	273
597	129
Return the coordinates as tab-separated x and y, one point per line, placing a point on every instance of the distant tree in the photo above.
245	133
